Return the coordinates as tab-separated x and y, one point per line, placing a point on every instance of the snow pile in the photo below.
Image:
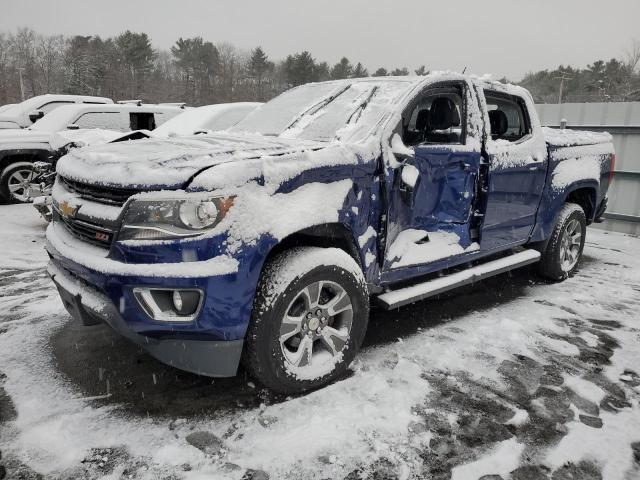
567	138
414	247
576	169
168	162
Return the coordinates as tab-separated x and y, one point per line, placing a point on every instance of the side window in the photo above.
508	116
142	121
47	107
436	117
103	120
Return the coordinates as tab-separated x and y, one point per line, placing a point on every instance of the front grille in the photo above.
100	193
98	235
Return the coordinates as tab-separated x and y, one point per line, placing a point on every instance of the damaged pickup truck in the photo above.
266	243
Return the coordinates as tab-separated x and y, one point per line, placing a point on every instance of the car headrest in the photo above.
499	122
442	116
422	119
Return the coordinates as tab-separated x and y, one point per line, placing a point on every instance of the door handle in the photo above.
536	166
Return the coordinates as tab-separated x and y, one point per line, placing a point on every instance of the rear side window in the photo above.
508	117
104	120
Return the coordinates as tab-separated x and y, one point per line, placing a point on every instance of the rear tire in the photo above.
562	254
309	318
15	181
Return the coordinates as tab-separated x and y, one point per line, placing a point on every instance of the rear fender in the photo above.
583	192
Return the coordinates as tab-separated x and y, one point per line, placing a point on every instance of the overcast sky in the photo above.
502	37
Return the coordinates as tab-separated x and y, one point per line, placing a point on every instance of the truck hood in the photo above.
169	163
15	136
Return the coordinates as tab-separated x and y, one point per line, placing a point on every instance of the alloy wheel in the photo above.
316	328
570	245
18	184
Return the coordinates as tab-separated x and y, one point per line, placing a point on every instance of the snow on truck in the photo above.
266	243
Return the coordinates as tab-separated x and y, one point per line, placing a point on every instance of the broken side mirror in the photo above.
409	178
36	115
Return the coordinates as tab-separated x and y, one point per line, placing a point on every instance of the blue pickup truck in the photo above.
265	244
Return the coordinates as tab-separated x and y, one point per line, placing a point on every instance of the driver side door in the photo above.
432	199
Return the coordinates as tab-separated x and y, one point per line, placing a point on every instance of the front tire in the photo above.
562	254
309	318
15	181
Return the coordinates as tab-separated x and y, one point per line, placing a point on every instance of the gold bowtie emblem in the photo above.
67	210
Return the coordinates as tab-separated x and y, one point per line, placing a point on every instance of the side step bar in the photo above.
431	288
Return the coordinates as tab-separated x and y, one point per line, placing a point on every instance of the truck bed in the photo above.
556	137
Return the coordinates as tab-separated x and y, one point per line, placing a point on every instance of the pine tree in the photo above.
421	70
342	69
359	71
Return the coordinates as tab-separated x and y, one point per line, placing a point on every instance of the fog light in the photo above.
186	302
170	305
177	300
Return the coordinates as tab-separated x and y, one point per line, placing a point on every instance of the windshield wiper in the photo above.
318	106
358	111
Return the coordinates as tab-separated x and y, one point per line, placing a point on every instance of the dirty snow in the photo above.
439	388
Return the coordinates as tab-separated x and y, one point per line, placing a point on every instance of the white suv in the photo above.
22	115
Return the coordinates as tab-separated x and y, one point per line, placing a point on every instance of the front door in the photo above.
517	169
433	193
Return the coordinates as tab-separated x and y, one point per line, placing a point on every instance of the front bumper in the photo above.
90	306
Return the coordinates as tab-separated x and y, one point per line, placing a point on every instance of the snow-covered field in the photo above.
513	377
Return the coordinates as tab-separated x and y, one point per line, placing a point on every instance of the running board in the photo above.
420	291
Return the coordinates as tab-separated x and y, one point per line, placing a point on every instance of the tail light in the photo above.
612	166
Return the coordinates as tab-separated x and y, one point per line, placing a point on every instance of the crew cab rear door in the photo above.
517	156
433	195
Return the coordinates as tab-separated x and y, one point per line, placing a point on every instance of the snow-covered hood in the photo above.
171	163
20	137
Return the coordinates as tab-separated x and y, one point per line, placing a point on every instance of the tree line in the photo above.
199	72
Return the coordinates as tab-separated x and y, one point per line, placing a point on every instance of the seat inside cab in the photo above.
435	119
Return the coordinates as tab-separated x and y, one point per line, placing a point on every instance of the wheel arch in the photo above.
326	235
585	195
29	156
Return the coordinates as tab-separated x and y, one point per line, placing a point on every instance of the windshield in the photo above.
325	111
56	120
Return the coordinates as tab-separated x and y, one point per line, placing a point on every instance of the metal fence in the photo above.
622	120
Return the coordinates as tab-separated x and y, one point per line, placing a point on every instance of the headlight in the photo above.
173	218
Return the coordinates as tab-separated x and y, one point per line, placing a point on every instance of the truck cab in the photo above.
268	242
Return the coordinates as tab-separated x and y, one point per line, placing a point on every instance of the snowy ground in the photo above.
513	378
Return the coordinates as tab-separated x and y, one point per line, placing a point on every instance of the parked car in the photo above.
209	118
22	115
267	242
19	149
192	121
